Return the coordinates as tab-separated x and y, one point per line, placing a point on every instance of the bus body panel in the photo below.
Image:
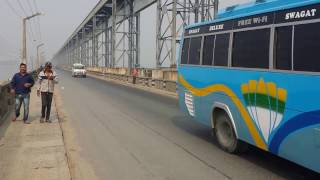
288	100
296	137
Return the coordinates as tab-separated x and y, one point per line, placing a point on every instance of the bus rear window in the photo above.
307	47
185	51
251	49
195	48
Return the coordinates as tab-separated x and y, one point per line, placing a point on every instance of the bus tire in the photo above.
226	136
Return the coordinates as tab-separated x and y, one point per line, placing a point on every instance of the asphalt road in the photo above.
126	133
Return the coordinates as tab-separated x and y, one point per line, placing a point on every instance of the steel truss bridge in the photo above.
110	35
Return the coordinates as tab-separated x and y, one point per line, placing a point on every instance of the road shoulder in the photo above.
80	169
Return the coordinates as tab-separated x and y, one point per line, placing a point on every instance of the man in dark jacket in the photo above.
21	84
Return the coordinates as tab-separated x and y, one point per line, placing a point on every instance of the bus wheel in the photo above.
226	136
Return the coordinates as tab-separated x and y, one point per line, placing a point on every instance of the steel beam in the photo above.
110	34
172	17
137	62
113	35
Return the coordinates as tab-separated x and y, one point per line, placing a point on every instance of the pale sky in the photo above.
60	19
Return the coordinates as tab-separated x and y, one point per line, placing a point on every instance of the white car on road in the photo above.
79	70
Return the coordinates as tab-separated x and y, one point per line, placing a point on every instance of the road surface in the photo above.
126	133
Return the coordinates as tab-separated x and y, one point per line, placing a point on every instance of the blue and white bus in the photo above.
253	75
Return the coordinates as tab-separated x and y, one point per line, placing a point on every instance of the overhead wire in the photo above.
12	52
32	21
26	14
31	41
35	5
32	33
9	51
39	29
4	40
22	8
29	30
29	5
13	9
32	11
37	19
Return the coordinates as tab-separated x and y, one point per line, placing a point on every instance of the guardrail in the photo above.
166	85
7	99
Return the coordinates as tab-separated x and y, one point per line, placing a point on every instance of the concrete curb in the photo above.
62	134
136	86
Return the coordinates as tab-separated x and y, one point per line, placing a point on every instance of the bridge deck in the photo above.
128	133
114	130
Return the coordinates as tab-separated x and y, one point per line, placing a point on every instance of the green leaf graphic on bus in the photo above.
265	104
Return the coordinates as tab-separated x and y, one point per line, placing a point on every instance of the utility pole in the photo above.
42	56
31	59
38	56
24	36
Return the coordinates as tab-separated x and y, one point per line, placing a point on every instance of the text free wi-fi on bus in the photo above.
253	75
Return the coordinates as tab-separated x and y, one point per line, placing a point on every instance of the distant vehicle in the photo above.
253	76
78	70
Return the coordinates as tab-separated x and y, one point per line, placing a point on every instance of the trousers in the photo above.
46	100
25	100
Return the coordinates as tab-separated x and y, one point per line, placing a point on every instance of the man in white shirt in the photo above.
46	81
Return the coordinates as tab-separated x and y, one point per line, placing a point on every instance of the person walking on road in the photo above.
21	85
46	80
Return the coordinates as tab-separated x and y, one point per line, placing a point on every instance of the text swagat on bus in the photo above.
253	75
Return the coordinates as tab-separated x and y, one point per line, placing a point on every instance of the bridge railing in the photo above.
163	79
7	99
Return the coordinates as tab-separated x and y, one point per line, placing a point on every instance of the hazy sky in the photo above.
60	20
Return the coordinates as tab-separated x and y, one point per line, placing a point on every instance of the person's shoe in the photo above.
41	120
48	121
14	119
27	122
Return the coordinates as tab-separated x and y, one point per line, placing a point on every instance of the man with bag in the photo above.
46	80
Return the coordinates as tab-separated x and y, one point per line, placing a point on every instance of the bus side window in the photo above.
185	51
283	48
208	48
251	49
307	47
195	48
221	50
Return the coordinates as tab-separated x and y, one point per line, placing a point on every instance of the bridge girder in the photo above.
110	35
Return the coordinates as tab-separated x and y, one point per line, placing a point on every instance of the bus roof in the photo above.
254	8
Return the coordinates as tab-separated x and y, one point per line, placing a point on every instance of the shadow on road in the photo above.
275	164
